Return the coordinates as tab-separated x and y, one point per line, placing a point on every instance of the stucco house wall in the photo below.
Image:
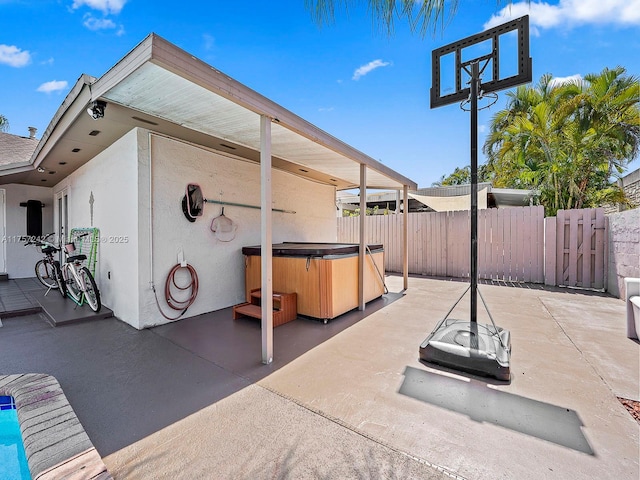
118	181
624	250
21	260
631	185
111	177
219	265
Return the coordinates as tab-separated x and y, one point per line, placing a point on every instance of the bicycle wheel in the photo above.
45	274
73	289
62	288
91	292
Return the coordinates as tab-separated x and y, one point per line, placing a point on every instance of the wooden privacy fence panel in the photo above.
510	242
579	244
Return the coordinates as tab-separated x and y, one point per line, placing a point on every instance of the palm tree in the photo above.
462	176
420	14
567	140
4	123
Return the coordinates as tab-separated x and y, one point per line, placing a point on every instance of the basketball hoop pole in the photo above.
467	345
475	79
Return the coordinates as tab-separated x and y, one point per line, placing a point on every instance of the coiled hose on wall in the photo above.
172	301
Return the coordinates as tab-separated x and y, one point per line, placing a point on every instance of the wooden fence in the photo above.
578	239
511	244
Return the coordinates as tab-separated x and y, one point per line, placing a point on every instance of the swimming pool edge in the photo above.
55	442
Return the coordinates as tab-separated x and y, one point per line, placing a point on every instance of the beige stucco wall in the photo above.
219	265
631	186
111	177
20	260
624	249
118	179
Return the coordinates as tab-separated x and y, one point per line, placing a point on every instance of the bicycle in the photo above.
79	282
48	271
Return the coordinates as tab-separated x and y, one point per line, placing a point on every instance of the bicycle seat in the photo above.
76	258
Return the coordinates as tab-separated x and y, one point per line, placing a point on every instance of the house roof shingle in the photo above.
15	149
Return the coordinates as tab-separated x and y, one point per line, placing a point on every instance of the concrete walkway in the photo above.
558	418
361	405
350	400
26	296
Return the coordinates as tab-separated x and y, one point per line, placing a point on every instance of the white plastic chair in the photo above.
632	287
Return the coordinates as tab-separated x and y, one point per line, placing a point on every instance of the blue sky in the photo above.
349	78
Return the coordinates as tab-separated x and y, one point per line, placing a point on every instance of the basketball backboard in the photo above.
503	56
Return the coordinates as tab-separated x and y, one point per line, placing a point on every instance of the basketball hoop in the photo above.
491	97
485	350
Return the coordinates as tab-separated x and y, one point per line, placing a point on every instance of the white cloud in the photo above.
105	6
209	41
326	109
53	86
570	79
13	56
93	23
365	69
570	13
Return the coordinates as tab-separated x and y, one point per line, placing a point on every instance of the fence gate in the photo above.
580	259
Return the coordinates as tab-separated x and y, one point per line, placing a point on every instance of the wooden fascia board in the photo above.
133	60
15	168
73	105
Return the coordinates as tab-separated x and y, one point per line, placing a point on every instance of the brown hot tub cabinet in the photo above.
323	275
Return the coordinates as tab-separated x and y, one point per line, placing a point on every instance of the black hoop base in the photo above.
479	349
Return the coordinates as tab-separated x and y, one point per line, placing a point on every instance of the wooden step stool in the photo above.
285	307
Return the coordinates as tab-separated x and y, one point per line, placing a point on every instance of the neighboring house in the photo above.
15	156
121	149
630	183
439	199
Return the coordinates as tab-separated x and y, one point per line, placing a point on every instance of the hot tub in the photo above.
323	275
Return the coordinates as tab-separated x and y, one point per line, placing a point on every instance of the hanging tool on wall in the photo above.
193	203
223	228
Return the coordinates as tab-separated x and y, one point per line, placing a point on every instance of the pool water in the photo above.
13	461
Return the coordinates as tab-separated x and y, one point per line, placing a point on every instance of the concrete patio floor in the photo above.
350	399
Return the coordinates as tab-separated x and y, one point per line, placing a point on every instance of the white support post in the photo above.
362	252
405	236
266	243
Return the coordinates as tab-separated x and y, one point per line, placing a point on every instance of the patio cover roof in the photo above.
163	88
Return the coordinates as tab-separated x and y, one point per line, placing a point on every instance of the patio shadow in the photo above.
480	403
125	384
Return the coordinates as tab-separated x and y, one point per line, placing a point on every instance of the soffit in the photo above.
161	93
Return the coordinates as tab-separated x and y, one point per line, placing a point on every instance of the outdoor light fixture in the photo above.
96	109
40	170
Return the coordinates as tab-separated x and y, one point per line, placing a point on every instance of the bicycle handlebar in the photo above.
42	242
